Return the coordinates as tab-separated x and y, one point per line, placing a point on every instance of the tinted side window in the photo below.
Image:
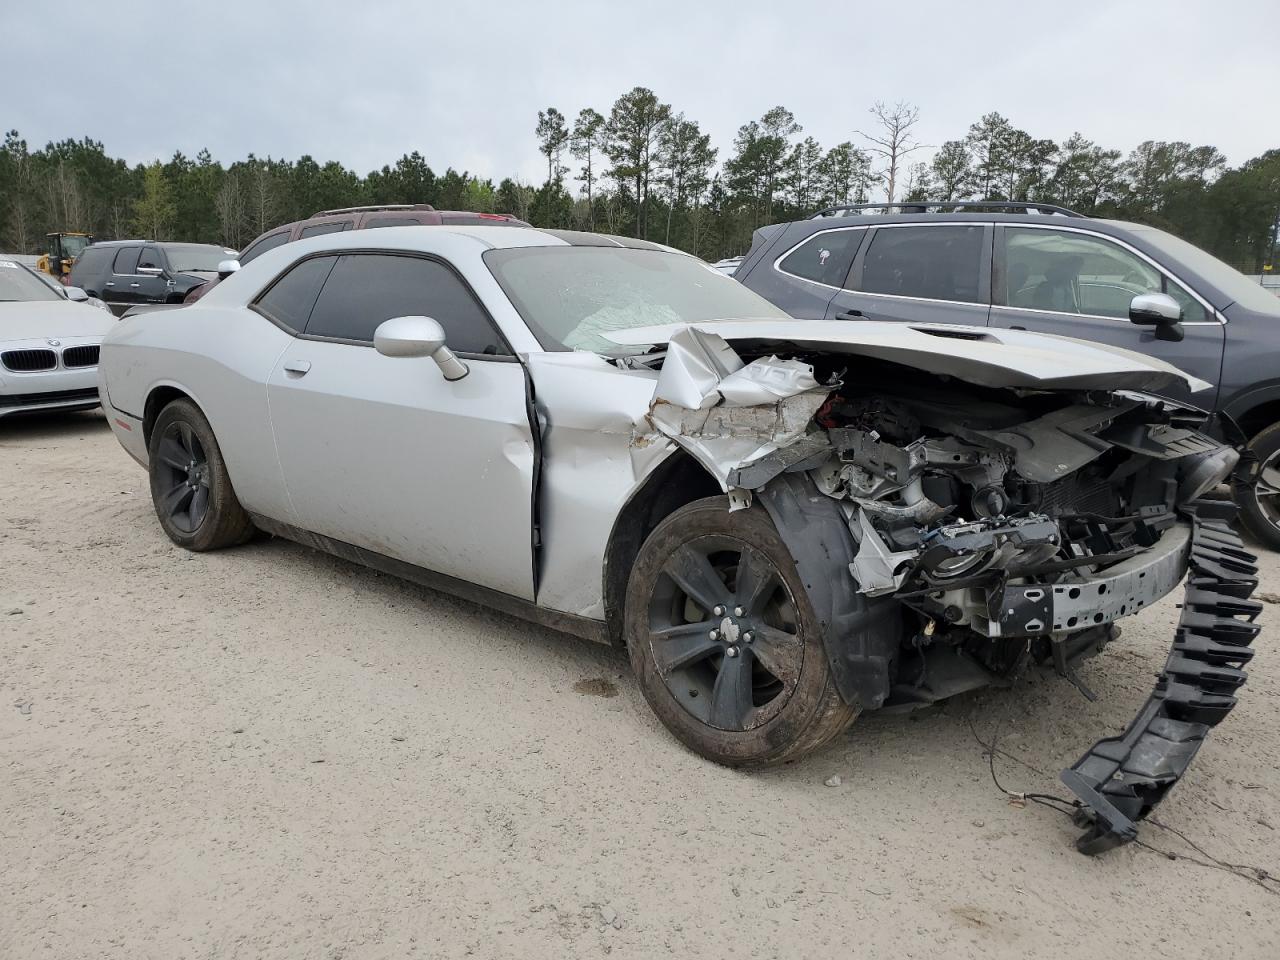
290	299
150	258
263	245
366	289
824	257
1070	272
91	262
939	263
126	260
391	222
334	226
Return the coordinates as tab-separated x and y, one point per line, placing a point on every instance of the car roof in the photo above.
409	237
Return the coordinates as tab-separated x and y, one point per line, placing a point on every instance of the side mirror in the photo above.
1158	310
227	267
76	294
418	337
150	271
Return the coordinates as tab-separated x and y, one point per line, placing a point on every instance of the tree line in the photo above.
647	170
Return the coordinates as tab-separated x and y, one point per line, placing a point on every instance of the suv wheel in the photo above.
1260	504
724	640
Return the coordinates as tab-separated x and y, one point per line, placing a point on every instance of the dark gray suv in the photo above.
1043	268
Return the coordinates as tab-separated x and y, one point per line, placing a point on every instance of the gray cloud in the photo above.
365	82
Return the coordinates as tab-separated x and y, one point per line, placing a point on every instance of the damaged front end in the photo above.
951	532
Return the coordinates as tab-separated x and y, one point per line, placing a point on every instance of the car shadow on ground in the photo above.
17	428
1042	711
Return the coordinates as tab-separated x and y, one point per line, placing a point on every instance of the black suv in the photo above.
1040	267
125	273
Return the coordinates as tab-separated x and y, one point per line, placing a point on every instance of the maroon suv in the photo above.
362	218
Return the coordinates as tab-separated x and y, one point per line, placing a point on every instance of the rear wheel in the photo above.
724	640
190	487
1260	504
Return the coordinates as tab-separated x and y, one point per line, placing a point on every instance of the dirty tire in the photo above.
1260	504
696	686
190	487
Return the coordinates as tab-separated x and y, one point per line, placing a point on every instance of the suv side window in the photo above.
269	242
91	263
392	222
366	289
1069	272
332	226
126	261
825	257
151	258
930	262
290	299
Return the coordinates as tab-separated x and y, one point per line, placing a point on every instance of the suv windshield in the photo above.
570	296
17	283
1242	290
185	257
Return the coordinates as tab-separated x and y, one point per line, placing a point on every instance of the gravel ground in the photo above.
267	752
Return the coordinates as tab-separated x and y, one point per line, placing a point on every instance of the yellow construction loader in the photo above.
61	250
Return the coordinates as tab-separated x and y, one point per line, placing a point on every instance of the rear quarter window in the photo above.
269	242
825	257
290	300
91	262
374	222
316	229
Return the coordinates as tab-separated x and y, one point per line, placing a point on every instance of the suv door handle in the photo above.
300	367
111	283
851	315
133	284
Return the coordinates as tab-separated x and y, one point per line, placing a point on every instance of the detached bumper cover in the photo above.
1120	779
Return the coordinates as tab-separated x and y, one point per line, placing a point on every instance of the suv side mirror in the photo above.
418	337
76	294
1158	310
150	271
227	267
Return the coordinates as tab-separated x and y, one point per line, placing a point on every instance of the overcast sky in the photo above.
364	82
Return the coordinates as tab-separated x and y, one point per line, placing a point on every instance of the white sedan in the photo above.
784	522
49	342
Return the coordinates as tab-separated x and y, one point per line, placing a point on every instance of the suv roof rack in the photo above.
379	206
950	206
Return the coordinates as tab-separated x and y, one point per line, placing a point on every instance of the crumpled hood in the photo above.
62	319
984	356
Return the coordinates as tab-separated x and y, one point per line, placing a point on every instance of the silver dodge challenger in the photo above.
783	522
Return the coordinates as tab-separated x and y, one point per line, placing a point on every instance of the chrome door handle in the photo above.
299	367
133	284
111	283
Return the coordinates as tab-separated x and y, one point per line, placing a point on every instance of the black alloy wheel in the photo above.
183	470
724	641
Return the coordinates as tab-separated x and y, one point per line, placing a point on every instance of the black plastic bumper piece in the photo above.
1120	779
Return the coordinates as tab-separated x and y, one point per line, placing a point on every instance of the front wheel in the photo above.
190	487
1260	503
724	640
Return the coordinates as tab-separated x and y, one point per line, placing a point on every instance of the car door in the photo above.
153	281
1077	283
804	278
920	273
120	290
383	452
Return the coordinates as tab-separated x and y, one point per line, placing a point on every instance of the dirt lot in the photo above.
270	753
